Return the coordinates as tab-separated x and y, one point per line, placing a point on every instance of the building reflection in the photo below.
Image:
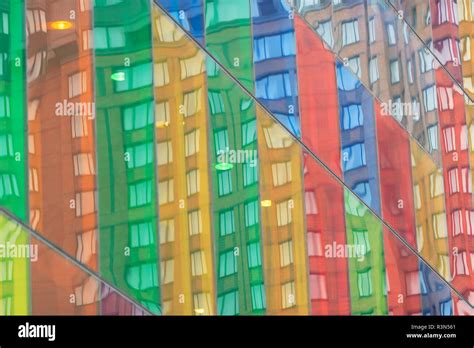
187	268
127	160
62	179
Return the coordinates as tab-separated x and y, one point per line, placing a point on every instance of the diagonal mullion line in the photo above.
459	84
369	90
71	259
308	150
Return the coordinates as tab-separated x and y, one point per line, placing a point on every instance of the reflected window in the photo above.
361	241
410	72
249	132
288	295
449	139
274	46
250	171
253	255
446	98
87	39
141	75
167	30
6	270
273	87
198	263
166	229
216	103
4	22
466	177
224	179
33	180
315	246
144	276
417	195
77	84
311	206
140	193
167	271
202	302
394	71
364	283
352	116
284	213
350	32
166	191
226	222
453	180
162	111
5	106
6	145
461	263
391	35
354	65
465	45
36	21
412	280
372	36
141	115
258	296
193	182
346	81
83	163
426	60
286	253
228	304
281	173
164	153
433	137
251	213
142	234
353	156
362	190
436	184
192	103
318	287
456	222
191	141
440	227
221	140
192	66
447	11
109	37
140	155
324	30
227	263
86	203
277	137
194	222
374	69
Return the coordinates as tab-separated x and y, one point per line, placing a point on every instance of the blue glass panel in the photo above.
275	61
358	140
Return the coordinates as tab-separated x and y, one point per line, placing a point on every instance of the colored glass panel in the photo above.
125	121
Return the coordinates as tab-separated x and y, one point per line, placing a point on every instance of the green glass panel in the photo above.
14	297
125	148
233	198
229	37
364	252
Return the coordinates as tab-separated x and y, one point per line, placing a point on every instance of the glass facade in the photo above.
236	157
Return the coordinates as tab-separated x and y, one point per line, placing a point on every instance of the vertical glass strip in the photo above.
398	211
360	168
61	112
126	153
283	219
14	287
186	249
431	227
323	197
274	50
